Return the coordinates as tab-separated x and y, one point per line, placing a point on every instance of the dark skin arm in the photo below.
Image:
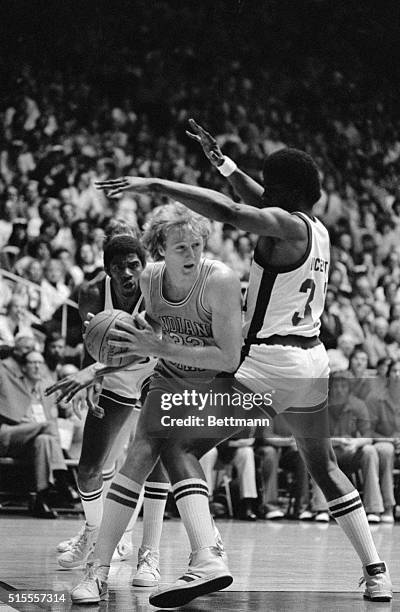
247	188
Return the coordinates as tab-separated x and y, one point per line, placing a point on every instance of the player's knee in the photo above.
88	473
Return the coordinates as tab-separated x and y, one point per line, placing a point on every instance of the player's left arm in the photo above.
273	221
223	298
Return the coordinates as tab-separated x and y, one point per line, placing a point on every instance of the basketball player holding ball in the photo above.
197	303
112	418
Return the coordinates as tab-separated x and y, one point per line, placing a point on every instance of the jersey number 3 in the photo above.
307	285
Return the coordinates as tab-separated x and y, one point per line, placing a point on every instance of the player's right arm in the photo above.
90	302
247	188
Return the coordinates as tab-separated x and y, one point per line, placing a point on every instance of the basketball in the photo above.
97	336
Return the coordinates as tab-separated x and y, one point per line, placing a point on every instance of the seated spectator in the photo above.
384	410
54	290
54	354
87	262
5	293
277	448
339	358
394	340
375	343
350	429
17	320
348	317
73	273
28	425
363	380
380	381
34	273
240	453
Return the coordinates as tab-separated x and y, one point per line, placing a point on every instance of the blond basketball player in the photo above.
285	300
187	296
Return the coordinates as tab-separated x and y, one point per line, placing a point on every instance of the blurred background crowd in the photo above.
96	92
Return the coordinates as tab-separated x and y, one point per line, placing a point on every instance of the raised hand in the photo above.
207	142
114	187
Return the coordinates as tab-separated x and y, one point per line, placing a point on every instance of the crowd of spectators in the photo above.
64	125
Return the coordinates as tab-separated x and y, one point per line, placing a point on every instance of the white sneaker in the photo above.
373	518
206	573
68	544
378	586
124	549
81	549
148	571
322	517
274	515
93	587
306	515
387	517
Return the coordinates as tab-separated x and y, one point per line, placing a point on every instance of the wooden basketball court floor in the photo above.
277	566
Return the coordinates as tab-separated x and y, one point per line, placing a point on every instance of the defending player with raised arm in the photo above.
284	303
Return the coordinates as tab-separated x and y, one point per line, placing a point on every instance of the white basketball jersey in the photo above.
125	386
289	300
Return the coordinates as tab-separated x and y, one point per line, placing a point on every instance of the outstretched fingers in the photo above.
58	386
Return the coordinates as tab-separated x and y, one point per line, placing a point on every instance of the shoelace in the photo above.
79	544
78	536
148	559
90	574
361	581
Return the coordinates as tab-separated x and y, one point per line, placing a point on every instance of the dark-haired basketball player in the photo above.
111	420
285	300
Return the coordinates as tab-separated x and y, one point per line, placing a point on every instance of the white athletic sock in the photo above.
120	502
92	503
155	498
136	511
108	475
191	497
349	513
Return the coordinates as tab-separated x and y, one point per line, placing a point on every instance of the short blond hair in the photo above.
164	218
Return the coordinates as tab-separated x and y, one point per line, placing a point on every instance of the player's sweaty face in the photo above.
125	272
183	250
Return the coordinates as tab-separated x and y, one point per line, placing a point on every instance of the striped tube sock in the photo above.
349	513
191	497
136	511
108	475
120	502
155	498
92	504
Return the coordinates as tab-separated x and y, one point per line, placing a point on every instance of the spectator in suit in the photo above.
28	427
